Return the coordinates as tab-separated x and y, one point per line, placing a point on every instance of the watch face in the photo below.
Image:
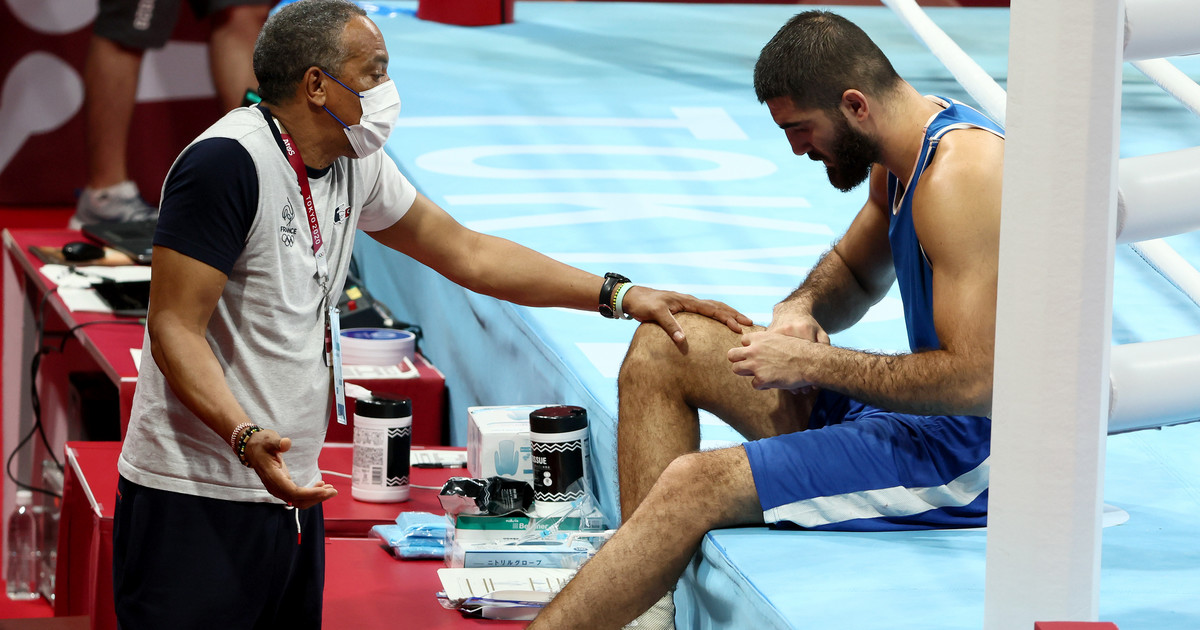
606	311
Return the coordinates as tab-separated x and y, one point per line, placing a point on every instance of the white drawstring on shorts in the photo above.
297	513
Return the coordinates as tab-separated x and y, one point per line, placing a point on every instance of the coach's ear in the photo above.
313	86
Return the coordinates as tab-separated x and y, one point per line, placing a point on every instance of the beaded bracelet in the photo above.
612	301
233	437
241	447
619	301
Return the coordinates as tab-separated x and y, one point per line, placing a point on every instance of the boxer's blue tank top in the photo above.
913	273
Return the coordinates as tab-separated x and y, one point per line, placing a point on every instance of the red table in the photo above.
105	348
363	582
427	390
347	518
101	348
365	588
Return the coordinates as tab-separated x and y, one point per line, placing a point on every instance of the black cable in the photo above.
70	333
36	400
40	325
35	363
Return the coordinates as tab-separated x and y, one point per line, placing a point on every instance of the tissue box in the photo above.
498	441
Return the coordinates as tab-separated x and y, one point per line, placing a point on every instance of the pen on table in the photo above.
437	465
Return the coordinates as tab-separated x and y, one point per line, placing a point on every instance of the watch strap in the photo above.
608	294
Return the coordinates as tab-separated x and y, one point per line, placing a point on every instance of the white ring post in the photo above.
1154	22
1054	307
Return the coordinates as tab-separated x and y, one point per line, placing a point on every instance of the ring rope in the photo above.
987	92
1172	80
1171	266
978	83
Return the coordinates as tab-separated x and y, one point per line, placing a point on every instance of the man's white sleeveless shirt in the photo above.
268	328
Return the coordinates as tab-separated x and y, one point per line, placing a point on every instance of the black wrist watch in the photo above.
608	293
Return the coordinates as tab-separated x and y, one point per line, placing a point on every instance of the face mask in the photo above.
380	107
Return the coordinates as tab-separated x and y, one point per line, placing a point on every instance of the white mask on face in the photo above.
380	108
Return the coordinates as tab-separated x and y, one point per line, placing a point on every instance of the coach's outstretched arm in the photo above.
503	269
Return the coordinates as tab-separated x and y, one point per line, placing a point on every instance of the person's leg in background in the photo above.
110	85
231	50
121	35
123	31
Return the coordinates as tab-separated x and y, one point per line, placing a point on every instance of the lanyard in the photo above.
333	354
310	209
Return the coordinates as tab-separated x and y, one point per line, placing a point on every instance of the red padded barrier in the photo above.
1074	625
467	12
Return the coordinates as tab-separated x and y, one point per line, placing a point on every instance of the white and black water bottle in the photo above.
23	555
558	441
382	440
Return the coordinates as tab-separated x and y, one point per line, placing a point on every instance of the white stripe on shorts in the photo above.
895	501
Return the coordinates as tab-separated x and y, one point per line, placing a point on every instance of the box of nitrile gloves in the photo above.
498	442
556	554
524	541
475	528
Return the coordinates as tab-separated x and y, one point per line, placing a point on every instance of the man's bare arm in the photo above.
850	277
957	217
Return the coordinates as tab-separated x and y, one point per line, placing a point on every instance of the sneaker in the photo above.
661	615
120	203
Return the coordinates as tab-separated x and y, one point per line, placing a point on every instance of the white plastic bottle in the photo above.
382	438
23	560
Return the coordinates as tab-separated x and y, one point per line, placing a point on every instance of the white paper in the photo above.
503	584
83	300
66	277
372	372
447	458
74	283
72	276
119	273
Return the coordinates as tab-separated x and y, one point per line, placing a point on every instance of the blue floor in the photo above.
626	137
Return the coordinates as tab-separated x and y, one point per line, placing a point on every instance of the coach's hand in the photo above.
652	305
264	451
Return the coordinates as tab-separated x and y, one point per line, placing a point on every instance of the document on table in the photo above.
437	458
75	283
504	584
381	372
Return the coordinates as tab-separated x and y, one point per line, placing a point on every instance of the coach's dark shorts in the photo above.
181	562
146	24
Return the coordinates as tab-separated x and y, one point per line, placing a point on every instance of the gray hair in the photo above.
299	36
